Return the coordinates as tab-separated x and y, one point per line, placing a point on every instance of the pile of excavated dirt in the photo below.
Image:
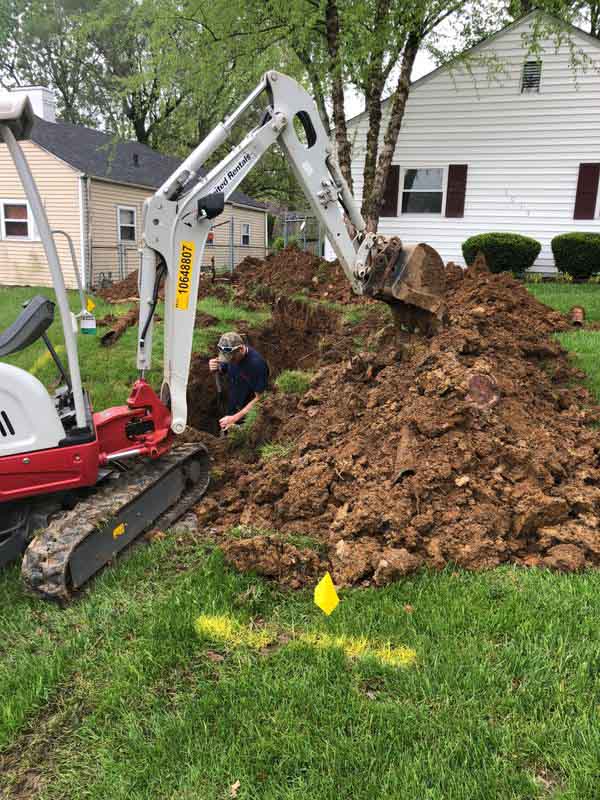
285	273
127	289
292	271
123	290
473	447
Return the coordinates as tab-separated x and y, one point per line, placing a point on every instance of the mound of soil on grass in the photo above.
286	273
472	447
128	289
289	272
123	290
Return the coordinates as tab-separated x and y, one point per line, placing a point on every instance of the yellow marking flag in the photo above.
326	596
119	530
89	304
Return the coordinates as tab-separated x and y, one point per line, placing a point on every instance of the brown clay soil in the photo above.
289	272
473	447
128	289
281	274
123	290
119	326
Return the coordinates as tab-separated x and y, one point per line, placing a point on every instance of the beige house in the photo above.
93	187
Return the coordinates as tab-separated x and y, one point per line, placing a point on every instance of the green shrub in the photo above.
563	277
504	252
279	243
293	381
577	254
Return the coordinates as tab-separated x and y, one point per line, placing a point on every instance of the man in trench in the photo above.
247	375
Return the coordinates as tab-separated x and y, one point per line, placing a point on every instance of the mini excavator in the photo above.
77	485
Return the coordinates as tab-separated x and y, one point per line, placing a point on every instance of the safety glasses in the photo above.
226	349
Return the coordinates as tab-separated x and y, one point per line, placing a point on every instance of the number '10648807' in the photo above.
184	277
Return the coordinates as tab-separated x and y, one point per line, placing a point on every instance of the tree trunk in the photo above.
342	142
137	117
373	107
375	201
373	90
317	87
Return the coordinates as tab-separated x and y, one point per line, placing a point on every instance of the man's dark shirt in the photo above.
246	379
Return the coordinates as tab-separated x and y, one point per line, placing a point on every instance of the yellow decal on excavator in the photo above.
119	530
184	276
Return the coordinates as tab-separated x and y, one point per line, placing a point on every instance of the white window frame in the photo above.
426	214
246	225
597	209
127	241
17	201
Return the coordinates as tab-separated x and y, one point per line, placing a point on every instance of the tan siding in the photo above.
108	259
114	262
221	250
23	263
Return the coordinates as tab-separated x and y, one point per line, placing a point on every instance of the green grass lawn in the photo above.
451	686
564	296
109	372
584	344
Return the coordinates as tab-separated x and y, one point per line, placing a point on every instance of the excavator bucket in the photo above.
412	280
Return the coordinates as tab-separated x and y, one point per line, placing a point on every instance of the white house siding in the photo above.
23	262
523	151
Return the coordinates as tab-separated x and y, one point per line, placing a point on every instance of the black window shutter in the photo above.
587	191
457	188
390	196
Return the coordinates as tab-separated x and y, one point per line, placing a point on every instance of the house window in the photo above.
246	234
423	190
530	79
16	220
126	223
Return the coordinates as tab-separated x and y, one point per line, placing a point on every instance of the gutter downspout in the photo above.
88	229
82	232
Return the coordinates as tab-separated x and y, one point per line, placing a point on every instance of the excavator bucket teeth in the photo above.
412	280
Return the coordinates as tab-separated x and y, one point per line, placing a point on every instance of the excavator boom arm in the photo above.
177	220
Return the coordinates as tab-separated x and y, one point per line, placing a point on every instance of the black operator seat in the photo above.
33	322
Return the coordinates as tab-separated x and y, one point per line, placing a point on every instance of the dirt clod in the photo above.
274	558
126	289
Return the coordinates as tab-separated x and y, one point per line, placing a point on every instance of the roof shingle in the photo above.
102	155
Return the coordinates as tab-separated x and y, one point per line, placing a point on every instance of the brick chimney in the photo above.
42	100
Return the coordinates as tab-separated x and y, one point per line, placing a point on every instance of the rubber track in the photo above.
45	566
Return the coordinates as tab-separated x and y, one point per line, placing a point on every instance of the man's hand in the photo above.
227	422
213	364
